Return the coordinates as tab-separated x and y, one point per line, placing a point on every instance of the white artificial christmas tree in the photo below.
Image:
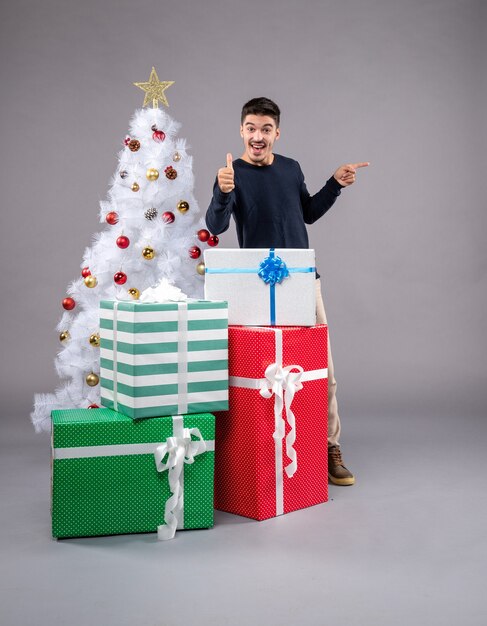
153	230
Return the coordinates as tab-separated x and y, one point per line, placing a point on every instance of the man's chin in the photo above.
258	159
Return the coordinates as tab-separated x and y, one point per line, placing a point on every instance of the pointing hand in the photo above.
345	174
226	180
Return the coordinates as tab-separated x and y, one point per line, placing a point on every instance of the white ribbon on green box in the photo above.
282	383
177	450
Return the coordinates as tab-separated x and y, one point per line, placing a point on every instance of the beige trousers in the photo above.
333	418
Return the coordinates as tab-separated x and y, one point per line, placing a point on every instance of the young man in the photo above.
267	196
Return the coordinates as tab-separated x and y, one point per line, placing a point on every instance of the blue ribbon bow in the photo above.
273	269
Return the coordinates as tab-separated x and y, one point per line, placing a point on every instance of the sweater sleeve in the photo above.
316	206
220	210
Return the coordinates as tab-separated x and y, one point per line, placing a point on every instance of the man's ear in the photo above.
278	133
241	131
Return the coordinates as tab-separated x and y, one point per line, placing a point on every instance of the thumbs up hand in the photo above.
225	176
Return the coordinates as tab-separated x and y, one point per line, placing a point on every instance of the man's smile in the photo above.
258	146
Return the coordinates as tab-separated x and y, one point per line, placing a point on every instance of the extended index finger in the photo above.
229	161
364	164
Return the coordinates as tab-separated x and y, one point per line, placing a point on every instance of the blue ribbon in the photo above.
271	270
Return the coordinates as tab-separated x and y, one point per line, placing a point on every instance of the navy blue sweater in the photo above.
270	205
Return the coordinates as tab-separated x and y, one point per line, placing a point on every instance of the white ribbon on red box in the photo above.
283	383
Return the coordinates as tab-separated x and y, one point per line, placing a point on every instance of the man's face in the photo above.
258	133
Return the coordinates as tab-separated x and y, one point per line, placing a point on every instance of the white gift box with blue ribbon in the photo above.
263	286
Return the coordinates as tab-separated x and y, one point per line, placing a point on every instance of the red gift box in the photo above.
271	455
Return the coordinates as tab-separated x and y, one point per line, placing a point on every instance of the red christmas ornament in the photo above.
93	406
112	218
126	141
69	304
123	242
213	241
120	278
85	272
168	217
194	252
158	135
203	234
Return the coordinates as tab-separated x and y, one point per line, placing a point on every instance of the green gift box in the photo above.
113	475
163	358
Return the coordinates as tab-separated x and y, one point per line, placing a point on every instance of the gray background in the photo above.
402	254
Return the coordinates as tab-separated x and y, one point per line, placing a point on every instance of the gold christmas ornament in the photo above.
148	253
200	268
95	340
135	187
183	206
64	336
134	292
176	157
90	281
152	174
154	90
92	380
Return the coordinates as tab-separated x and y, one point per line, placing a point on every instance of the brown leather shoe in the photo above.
338	474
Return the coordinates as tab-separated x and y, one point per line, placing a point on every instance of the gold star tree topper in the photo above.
154	90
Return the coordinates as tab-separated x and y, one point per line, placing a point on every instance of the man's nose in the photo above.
257	135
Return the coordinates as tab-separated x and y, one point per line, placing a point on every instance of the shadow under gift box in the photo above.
163	358
254	473
104	475
261	285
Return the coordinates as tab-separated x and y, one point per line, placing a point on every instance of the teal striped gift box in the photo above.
164	358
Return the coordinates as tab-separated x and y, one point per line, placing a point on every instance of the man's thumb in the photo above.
229	161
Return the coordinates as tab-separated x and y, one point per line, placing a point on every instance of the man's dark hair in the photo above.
261	106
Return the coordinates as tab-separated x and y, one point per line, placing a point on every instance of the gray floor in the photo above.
405	546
